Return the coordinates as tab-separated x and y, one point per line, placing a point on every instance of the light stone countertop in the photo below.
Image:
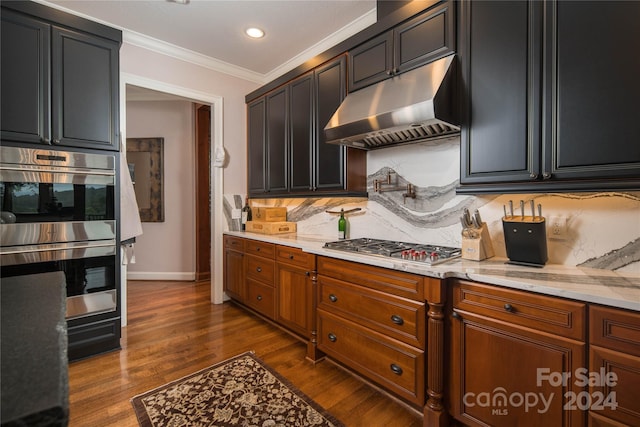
606	287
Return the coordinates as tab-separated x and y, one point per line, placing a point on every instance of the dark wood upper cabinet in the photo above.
84	90
301	110
330	90
420	40
592	110
277	170
25	82
501	133
557	116
256	166
288	123
59	85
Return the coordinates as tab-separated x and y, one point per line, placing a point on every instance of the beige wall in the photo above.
166	249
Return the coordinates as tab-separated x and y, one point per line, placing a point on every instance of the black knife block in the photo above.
525	238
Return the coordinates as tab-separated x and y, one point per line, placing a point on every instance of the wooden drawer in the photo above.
382	279
260	269
234	243
616	329
260	297
263	249
400	318
543	313
394	365
295	256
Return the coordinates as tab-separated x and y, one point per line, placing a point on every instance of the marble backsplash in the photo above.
603	229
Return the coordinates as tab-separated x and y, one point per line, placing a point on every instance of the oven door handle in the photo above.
28	254
57	176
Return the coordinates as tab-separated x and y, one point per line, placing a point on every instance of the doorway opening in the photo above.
210	248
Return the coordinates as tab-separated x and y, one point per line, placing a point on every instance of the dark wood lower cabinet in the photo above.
503	374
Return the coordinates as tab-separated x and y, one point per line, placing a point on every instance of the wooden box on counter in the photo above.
269	214
264	227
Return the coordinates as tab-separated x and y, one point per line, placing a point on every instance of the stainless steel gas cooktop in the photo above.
428	254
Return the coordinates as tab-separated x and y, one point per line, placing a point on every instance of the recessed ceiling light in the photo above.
254	33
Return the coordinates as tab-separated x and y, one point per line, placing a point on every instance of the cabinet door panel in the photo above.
626	368
493	363
425	38
593	121
25	78
500	136
277	141
330	90
84	90
301	144
371	62
295	299
256	147
234	274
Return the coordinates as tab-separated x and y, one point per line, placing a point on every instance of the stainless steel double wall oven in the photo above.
58	214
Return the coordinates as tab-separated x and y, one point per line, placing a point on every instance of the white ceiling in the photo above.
211	32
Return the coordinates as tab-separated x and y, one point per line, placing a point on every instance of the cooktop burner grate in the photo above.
426	253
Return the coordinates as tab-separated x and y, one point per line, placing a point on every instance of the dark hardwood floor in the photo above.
174	330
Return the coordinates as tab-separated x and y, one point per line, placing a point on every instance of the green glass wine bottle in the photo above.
342	226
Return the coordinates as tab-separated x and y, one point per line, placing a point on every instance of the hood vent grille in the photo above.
411	107
413	134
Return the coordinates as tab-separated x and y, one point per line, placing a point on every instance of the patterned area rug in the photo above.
241	391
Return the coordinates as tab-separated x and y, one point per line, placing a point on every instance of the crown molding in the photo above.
351	29
168	49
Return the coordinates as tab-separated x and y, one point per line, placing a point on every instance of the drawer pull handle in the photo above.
306	273
455	315
397	319
259	269
396	369
290	256
332	338
333	298
259	297
509	308
257	249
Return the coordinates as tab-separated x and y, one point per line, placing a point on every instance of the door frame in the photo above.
217	175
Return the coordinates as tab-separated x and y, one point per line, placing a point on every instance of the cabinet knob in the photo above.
333	298
56	141
394	71
397	319
332	337
533	176
259	297
290	256
546	175
45	140
389	72
509	308
396	369
257	249
259	269
306	273
455	315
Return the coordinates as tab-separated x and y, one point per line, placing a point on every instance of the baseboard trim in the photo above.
151	275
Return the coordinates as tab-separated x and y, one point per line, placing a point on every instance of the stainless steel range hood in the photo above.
412	107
